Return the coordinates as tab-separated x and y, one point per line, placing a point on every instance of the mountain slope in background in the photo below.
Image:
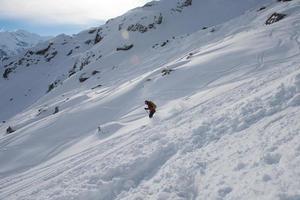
225	75
12	43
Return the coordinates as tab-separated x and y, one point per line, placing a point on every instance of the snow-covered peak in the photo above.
14	42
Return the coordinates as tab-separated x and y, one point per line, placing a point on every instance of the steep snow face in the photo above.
227	123
12	43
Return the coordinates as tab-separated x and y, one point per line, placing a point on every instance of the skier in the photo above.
151	108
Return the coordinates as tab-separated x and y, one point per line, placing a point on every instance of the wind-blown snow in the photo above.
227	124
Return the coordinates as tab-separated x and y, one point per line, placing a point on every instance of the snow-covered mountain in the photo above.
12	43
225	75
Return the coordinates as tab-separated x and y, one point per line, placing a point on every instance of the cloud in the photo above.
77	12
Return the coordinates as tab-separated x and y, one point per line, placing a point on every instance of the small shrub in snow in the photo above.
150	26
44	51
144	28
155	45
95	72
262	8
182	5
50	87
166	71
72	72
28	53
70	52
137	27
52	55
125	47
84	62
275	17
187	3
158	20
56	110
190	56
83	78
98	37
10	130
7	72
53	85
97	86
164	43
100	56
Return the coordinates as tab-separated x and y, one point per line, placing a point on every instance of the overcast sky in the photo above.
50	17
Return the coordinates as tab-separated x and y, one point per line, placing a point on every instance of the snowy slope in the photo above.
149	28
12	43
227	121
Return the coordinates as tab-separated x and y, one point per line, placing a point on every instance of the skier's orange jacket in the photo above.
151	105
